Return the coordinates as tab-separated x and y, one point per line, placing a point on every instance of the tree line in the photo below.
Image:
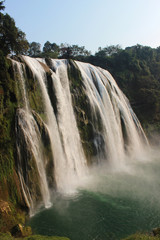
52	50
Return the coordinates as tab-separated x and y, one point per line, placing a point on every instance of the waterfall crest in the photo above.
71	115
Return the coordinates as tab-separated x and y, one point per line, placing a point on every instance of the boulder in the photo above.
156	231
20	231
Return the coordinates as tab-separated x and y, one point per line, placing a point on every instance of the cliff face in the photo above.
13	204
10	190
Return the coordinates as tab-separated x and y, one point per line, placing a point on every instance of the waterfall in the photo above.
26	124
113	107
67	151
85	116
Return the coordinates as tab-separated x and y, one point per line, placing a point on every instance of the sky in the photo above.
89	23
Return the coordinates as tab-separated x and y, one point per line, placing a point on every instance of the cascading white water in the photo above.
67	151
113	105
66	121
107	103
128	114
27	124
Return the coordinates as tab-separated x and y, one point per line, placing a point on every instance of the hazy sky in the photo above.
89	23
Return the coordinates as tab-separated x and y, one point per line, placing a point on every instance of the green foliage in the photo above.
1	5
7	110
40	237
50	50
12	40
140	236
36	101
72	52
34	49
34	93
11	218
8	105
108	51
8	236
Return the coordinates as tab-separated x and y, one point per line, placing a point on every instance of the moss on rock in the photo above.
9	187
46	149
8	236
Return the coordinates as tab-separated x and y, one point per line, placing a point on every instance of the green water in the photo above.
109	205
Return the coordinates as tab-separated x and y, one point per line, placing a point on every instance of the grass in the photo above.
8	236
139	236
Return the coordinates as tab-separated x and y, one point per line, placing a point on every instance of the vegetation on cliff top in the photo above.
140	236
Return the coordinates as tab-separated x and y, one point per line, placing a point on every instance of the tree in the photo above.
47	47
109	50
1	5
12	39
34	49
72	51
65	51
55	48
50	50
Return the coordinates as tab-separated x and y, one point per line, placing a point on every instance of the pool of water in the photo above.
110	204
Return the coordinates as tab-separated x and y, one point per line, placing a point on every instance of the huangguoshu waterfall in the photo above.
71	115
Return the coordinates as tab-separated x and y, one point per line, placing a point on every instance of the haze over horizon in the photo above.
91	23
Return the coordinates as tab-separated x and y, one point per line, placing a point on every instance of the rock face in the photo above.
4	207
10	188
21	231
156	231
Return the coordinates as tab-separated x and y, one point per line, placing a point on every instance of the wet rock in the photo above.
156	231
20	231
17	231
46	68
